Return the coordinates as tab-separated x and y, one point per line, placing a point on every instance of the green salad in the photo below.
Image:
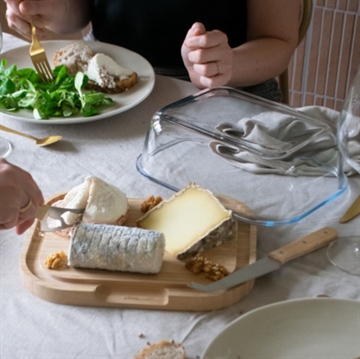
63	97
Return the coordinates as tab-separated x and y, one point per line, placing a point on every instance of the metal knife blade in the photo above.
273	261
51	217
352	212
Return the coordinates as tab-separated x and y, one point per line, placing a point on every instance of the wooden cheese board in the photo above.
166	290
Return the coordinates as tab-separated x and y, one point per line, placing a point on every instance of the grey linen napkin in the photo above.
310	147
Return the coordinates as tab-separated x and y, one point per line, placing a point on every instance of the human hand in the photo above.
41	12
18	191
207	57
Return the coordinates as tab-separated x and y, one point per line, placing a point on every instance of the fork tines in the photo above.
42	67
38	57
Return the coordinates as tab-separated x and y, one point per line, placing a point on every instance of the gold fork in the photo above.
38	57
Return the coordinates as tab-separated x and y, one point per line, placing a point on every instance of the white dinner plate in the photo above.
319	328
122	101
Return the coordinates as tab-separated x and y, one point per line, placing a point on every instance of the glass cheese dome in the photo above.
281	162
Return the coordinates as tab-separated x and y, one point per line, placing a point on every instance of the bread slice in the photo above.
120	85
163	350
75	57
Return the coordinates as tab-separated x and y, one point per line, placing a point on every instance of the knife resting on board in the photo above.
272	261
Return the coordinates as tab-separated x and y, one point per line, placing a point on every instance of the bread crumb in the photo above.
164	349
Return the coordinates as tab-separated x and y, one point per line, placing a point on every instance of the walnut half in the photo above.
212	270
150	203
56	260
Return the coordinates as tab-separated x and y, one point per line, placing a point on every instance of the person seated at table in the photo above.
242	44
20	197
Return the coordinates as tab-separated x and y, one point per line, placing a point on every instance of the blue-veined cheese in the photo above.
193	220
116	248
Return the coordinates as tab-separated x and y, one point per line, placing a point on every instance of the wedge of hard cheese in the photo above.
193	220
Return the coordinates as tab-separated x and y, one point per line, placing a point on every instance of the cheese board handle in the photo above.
304	245
134	297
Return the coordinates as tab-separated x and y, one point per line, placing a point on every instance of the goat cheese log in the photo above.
116	248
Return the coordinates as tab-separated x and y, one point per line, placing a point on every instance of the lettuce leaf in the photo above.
63	97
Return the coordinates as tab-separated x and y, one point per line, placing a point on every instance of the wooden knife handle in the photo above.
304	245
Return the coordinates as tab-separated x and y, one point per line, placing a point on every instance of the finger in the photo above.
21	228
13	6
198	29
214	81
43	12
11	220
35	8
207	40
208	69
32	190
27	211
18	24
35	194
203	56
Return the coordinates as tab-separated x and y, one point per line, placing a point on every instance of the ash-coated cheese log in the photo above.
116	248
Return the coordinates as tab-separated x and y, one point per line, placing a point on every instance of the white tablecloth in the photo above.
34	328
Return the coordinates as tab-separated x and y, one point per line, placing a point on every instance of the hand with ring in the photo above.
207	57
20	198
42	12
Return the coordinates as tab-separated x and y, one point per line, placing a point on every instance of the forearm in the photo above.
272	38
259	60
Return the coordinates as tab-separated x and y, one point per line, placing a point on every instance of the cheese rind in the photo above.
116	248
193	220
223	233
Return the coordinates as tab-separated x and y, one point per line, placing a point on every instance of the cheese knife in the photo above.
272	261
352	212
51	217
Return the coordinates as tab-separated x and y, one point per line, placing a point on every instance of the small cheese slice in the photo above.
193	220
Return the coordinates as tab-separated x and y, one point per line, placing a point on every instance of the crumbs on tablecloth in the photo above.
164	348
